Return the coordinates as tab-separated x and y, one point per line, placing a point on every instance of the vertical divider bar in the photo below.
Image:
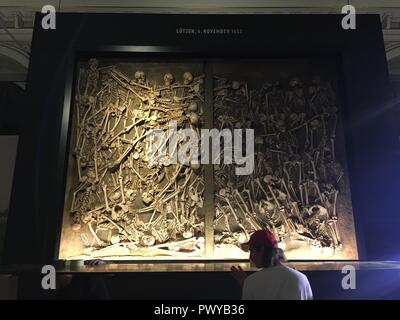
209	168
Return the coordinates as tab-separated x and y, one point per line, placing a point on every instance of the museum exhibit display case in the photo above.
100	85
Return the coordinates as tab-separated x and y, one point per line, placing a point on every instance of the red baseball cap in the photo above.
261	238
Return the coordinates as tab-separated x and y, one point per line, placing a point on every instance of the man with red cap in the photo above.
274	281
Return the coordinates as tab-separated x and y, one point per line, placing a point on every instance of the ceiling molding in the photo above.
15	54
19	16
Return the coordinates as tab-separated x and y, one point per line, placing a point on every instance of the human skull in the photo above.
140	77
76	222
280	125
188	233
168	79
193	106
115	196
136	155
235	85
294	117
76	226
130	194
195	165
147	198
187	78
92	100
194	118
91	173
314	124
148	240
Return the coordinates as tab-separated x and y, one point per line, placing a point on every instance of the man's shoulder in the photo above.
254	276
258	276
296	276
272	272
278	271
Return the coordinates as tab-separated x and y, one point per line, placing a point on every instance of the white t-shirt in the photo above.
277	283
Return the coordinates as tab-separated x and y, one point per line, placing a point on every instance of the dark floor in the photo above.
374	280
